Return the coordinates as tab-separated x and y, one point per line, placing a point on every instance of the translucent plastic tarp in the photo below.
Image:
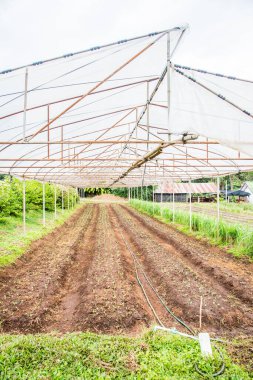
85	119
204	107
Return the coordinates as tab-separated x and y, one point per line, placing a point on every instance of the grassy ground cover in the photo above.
237	208
237	238
13	242
89	356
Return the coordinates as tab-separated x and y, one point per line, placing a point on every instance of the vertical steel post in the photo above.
153	198
168	82
48	132
24	206
62	200
136	131
218	199
129	197
226	191
161	200
147	114
173	202
68	198
55	209
190	204
44	203
25	104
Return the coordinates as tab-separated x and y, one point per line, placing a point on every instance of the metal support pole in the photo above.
25	104
24	207
147	115
218	199
129	196
173	202
168	82
62	200
55	209
161	200
146	193
44	204
153	198
226	191
68	198
48	132
137	193
190	204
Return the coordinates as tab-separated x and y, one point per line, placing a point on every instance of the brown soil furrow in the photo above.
197	255
63	317
82	277
112	301
180	285
161	313
28	288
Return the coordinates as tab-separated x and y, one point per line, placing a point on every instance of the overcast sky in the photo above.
219	38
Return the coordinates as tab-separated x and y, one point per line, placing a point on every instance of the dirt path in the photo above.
82	277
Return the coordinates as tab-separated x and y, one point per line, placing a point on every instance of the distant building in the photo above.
248	187
164	192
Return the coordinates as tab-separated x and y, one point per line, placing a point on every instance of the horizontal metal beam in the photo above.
119	166
101	142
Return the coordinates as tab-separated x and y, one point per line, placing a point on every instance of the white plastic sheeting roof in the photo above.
99	118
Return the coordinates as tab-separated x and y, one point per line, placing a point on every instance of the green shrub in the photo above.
11	196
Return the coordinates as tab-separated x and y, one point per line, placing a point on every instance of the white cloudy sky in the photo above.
219	39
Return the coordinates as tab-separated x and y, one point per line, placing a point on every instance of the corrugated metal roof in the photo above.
182	188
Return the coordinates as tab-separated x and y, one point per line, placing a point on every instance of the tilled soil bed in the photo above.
82	277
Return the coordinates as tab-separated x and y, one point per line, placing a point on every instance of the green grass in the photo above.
238	208
89	356
237	238
13	242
